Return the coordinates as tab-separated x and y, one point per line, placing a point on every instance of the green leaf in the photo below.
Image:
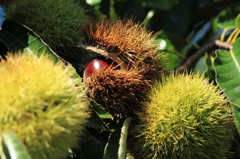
96	122
14	35
15	147
95	12
74	74
238	21
91	147
100	111
227	17
209	72
227	67
99	135
204	66
201	66
93	2
171	45
112	12
4	154
17	37
236	114
36	46
116	146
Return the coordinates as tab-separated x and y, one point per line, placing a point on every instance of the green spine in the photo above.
186	117
40	102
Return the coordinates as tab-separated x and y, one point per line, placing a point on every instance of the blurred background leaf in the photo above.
227	17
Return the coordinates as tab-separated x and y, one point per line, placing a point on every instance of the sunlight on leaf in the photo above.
227	67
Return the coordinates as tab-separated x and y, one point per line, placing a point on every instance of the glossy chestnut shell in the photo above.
97	64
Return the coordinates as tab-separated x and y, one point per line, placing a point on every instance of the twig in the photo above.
193	59
224	45
123	139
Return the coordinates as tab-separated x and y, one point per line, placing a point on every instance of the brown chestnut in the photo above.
97	64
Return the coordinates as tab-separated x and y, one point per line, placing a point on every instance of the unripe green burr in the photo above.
185	118
57	22
41	104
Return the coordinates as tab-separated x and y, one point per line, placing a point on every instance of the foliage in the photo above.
229	80
194	36
17	37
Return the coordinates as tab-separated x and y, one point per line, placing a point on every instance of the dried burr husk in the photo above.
132	47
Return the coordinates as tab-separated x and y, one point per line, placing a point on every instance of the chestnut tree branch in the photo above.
193	59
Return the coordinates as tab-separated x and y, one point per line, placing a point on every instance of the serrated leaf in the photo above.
38	47
96	122
17	37
116	146
102	113
74	75
227	67
15	147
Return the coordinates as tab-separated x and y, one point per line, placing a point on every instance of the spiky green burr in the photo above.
40	102
58	22
186	117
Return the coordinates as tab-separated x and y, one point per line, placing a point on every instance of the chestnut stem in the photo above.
112	56
192	59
